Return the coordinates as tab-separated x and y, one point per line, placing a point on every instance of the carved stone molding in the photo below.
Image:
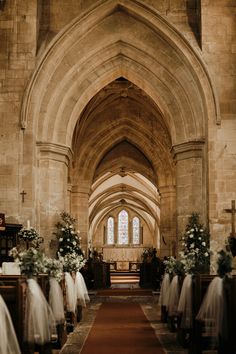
56	152
188	150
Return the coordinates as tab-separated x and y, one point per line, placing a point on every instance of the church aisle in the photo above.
76	340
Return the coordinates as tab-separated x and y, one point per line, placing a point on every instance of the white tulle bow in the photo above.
173	297
8	340
212	307
81	289
71	295
164	292
56	300
185	302
40	322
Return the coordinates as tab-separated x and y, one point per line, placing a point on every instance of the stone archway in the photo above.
86	57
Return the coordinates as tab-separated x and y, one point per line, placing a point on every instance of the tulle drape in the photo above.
173	297
56	300
185	303
40	322
212	307
71	293
81	289
164	292
8	340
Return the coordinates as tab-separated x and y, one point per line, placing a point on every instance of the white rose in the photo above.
204	243
192	230
199	238
192	245
62	229
60	239
206	254
201	230
74	243
61	249
191	236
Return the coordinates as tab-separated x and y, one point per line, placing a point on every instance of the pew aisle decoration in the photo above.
31	261
40	321
55	272
8	340
185	303
213	305
195	254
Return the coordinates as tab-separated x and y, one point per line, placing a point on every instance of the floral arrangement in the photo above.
68	237
72	262
195	254
173	266
54	268
221	258
31	261
28	234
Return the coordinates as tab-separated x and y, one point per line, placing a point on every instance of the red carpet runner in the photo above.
121	328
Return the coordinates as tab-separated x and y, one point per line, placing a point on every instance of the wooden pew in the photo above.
13	291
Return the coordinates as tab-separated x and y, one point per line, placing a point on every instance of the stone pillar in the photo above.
191	184
52	178
80	210
168	237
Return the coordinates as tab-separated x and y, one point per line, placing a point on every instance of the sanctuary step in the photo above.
124	279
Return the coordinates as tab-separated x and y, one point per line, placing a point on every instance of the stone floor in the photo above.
151	309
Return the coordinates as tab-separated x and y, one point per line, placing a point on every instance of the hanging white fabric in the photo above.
71	295
8	340
173	297
81	289
212	307
185	303
56	300
164	292
40	322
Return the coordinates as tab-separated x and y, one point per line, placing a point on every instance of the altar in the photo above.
123	258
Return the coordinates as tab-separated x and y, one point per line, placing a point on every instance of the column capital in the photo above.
188	149
56	152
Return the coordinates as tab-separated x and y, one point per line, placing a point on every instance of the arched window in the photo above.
110	231
123	232
136	230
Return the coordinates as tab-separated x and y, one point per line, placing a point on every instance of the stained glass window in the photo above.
123	221
110	231
136	230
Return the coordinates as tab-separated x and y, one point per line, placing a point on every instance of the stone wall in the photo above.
219	52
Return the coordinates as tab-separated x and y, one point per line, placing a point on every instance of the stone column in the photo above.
80	210
52	179
167	220
191	186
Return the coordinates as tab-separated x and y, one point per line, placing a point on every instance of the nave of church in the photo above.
118	158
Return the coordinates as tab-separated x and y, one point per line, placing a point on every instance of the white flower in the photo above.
74	243
72	232
192	245
71	227
68	239
204	243
60	239
199	238
191	236
61	249
62	229
206	254
192	230
201	230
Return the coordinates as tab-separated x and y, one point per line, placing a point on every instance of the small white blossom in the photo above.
199	238
206	254
204	243
191	236
60	239
192	245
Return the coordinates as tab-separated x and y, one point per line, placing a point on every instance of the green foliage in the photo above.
195	254
31	261
173	266
224	263
68	237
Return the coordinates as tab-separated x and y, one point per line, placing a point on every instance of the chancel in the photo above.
117	160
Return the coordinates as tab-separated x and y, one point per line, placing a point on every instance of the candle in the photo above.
28	224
